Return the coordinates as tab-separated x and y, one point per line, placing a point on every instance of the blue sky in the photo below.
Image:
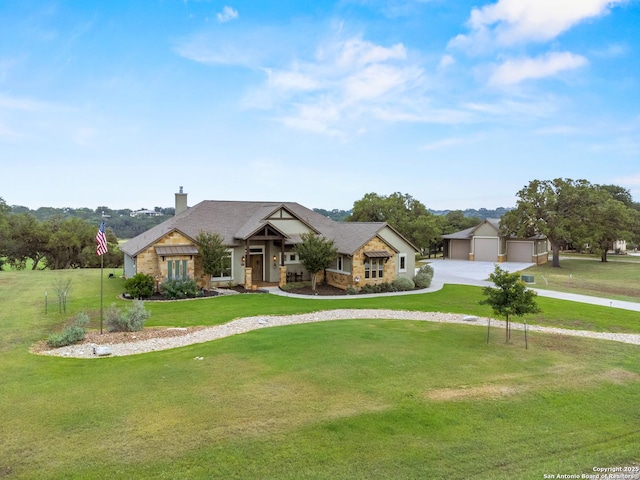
459	104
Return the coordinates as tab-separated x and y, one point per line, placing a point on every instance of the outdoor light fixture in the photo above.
274	260
243	260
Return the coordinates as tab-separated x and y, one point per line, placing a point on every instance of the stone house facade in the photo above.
261	238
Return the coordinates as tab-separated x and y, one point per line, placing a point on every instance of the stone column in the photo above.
283	276
247	277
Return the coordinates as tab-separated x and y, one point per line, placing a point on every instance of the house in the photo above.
261	239
145	213
484	243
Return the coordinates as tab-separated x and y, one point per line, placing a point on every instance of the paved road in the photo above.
463	272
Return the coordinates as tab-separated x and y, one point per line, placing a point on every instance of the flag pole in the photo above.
101	249
101	289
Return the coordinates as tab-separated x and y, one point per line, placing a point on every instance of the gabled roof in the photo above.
468	233
236	221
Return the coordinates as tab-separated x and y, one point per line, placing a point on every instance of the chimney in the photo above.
181	202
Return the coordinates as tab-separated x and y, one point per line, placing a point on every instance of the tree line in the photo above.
54	243
570	213
120	221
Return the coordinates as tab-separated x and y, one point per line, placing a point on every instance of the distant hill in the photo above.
482	213
473	213
126	226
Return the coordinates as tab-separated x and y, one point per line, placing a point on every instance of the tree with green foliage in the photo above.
4	229
316	254
609	217
214	255
553	208
510	297
403	212
27	239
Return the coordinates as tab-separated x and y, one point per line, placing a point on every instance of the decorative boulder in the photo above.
102	351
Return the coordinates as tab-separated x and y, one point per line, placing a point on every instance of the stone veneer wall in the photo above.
339	280
345	280
152	264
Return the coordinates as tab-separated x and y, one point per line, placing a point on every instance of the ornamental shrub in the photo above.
71	334
403	284
130	320
139	286
180	288
424	276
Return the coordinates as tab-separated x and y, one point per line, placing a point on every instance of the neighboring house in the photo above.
620	246
261	237
484	243
145	213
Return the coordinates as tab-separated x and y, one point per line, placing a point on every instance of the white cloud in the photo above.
227	14
510	22
445	62
348	83
292	80
514	71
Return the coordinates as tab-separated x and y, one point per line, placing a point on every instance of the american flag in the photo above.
101	239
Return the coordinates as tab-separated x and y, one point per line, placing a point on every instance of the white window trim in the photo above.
400	257
220	279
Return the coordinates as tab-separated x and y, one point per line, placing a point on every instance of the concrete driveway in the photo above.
469	273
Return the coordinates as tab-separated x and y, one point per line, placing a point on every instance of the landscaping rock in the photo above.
102	351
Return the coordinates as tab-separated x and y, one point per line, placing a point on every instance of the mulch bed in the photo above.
320	290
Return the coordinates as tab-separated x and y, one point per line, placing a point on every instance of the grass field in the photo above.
618	278
345	399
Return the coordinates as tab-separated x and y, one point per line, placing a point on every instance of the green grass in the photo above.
618	278
344	399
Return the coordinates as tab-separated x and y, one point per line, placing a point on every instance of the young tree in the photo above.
509	297
213	253
316	253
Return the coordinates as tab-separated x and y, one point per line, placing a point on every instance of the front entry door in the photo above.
256	268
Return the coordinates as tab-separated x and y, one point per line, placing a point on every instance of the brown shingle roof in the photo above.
235	221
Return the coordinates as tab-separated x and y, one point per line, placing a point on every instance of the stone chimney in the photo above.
181	202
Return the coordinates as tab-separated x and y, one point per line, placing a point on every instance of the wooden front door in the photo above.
256	268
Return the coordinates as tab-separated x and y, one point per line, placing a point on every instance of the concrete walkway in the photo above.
461	272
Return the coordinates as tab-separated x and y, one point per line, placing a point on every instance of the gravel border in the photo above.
246	324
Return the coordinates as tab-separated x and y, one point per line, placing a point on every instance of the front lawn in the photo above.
344	399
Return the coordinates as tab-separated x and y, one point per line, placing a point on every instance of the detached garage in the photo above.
483	243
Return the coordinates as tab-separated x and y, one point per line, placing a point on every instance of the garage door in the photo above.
485	249
519	251
459	249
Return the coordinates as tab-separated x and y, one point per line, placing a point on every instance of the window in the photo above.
374	268
177	269
225	272
402	262
339	263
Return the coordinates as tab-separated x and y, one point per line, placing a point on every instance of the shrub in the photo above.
71	334
180	288
424	276
136	315
131	320
139	286
351	291
294	286
403	284
114	319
